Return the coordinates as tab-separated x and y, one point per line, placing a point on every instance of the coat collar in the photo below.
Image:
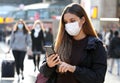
92	42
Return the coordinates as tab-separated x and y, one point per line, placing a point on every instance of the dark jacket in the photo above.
48	38
93	66
37	43
114	43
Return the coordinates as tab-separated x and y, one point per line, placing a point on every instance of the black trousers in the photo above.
19	57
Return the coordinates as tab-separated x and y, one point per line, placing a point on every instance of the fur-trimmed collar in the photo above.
92	42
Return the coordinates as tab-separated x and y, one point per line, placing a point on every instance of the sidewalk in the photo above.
30	75
112	78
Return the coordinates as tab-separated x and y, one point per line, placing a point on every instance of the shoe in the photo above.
22	76
35	69
110	71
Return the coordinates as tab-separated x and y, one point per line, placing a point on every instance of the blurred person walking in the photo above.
19	42
108	37
48	37
80	56
37	42
114	52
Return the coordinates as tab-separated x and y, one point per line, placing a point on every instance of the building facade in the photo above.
109	9
16	2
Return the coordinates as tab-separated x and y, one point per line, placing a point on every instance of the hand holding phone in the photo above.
53	60
49	49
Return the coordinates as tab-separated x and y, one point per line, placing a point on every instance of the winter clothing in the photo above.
90	66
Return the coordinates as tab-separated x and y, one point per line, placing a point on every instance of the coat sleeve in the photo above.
29	41
47	71
96	73
12	38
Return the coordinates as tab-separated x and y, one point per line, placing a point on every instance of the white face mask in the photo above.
20	26
73	29
37	27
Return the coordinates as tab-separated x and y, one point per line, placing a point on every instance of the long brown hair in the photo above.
25	28
63	42
40	23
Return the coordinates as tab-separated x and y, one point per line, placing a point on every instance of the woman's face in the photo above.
37	25
69	18
20	25
73	24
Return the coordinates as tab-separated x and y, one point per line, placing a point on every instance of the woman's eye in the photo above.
73	20
65	22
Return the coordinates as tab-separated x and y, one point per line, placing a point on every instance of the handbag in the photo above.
30	54
41	78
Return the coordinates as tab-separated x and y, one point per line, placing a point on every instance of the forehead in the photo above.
37	23
20	22
69	16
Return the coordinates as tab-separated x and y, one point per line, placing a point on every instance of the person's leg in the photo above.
16	57
21	60
118	66
17	64
111	65
38	61
34	61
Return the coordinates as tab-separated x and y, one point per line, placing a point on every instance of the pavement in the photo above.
112	77
30	75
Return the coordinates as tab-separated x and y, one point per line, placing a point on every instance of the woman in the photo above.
80	56
37	42
19	42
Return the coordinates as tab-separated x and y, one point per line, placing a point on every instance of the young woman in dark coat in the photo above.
37	42
80	55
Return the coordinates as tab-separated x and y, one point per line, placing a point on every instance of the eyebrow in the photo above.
70	19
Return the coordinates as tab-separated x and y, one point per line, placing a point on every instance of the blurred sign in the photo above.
36	16
9	20
6	20
1	20
94	12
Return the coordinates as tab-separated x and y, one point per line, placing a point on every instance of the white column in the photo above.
87	6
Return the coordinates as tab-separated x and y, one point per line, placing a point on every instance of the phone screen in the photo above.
49	50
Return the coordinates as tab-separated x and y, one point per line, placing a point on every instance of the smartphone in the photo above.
49	49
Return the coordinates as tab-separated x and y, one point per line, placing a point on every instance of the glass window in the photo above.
19	15
44	13
30	14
